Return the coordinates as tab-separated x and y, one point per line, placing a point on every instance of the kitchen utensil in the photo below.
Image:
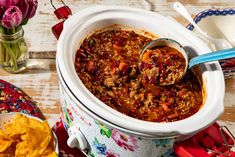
220	44
189	63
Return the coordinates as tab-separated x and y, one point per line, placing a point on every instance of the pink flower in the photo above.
28	8
12	17
24	7
7	3
124	141
33	4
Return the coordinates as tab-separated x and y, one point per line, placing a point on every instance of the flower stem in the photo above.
13	50
7	59
2	49
13	45
11	54
2	53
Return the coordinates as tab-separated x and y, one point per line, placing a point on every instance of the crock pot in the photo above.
99	130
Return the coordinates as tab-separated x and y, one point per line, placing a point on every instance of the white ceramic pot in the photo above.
101	130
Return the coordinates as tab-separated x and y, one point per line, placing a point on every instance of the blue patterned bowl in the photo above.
219	23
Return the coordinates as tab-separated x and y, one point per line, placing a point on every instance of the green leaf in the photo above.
18	28
91	154
24	22
2	29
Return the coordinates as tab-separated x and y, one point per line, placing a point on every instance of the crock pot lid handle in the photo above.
76	138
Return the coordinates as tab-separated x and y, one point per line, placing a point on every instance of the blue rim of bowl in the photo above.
211	12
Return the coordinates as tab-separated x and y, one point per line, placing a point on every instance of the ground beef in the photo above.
108	65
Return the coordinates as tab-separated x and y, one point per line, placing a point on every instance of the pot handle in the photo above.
76	138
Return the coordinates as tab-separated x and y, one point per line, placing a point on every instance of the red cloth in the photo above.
62	136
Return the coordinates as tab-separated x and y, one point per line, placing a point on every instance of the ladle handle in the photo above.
214	56
182	10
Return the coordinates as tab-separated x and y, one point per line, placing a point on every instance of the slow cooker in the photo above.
99	130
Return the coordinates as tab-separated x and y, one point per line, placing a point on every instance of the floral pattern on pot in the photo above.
104	141
169	153
124	141
104	130
111	154
161	142
101	149
67	116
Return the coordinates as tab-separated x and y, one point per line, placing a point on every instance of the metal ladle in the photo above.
189	63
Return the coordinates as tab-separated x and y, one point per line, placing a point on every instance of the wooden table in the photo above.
40	80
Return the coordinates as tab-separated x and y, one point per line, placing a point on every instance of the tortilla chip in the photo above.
4	144
50	153
3	135
17	127
27	137
35	139
10	151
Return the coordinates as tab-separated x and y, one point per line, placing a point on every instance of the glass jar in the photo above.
13	52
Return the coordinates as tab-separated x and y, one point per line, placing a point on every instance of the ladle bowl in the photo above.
189	62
